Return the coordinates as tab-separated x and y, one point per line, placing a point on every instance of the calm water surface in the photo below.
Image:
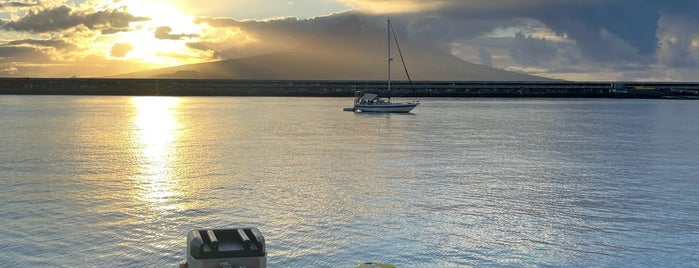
119	181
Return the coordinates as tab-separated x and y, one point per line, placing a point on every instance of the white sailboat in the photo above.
372	102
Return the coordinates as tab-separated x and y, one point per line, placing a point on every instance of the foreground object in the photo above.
241	247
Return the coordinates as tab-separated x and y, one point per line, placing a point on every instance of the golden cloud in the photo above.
120	50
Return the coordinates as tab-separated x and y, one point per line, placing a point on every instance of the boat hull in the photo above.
386	107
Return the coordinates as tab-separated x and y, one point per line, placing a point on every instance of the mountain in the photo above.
351	50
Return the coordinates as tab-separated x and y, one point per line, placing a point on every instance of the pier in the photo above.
319	88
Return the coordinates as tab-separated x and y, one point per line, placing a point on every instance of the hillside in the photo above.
351	50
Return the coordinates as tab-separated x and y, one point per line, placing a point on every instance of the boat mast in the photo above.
388	52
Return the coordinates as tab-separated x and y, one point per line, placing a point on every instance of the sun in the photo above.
141	43
161	12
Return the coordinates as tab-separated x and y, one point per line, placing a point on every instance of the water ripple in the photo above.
90	181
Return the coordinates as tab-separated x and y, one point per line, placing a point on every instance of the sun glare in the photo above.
156	133
158	51
162	13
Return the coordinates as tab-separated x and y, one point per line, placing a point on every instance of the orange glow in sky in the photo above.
144	46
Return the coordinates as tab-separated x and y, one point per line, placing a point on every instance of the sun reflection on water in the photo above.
156	134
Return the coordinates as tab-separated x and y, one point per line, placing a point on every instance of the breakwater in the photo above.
315	88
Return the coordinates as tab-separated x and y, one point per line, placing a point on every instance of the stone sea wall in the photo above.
311	88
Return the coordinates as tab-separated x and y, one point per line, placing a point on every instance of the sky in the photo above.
593	40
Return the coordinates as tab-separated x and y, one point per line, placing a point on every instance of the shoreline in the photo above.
338	88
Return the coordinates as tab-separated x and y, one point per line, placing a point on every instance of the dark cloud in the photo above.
23	54
16	54
19	54
54	43
678	6
164	32
283	29
594	25
598	34
62	18
436	28
110	19
275	25
592	36
602	29
9	5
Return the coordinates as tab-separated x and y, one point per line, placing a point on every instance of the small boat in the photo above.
372	102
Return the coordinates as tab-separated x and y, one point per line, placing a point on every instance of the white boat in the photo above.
372	102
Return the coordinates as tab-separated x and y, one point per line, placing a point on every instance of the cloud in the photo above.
679	42
54	43
587	36
63	17
120	50
626	38
164	32
32	51
678	53
11	70
593	24
10	5
603	29
23	54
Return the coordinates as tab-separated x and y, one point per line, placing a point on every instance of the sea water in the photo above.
94	181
